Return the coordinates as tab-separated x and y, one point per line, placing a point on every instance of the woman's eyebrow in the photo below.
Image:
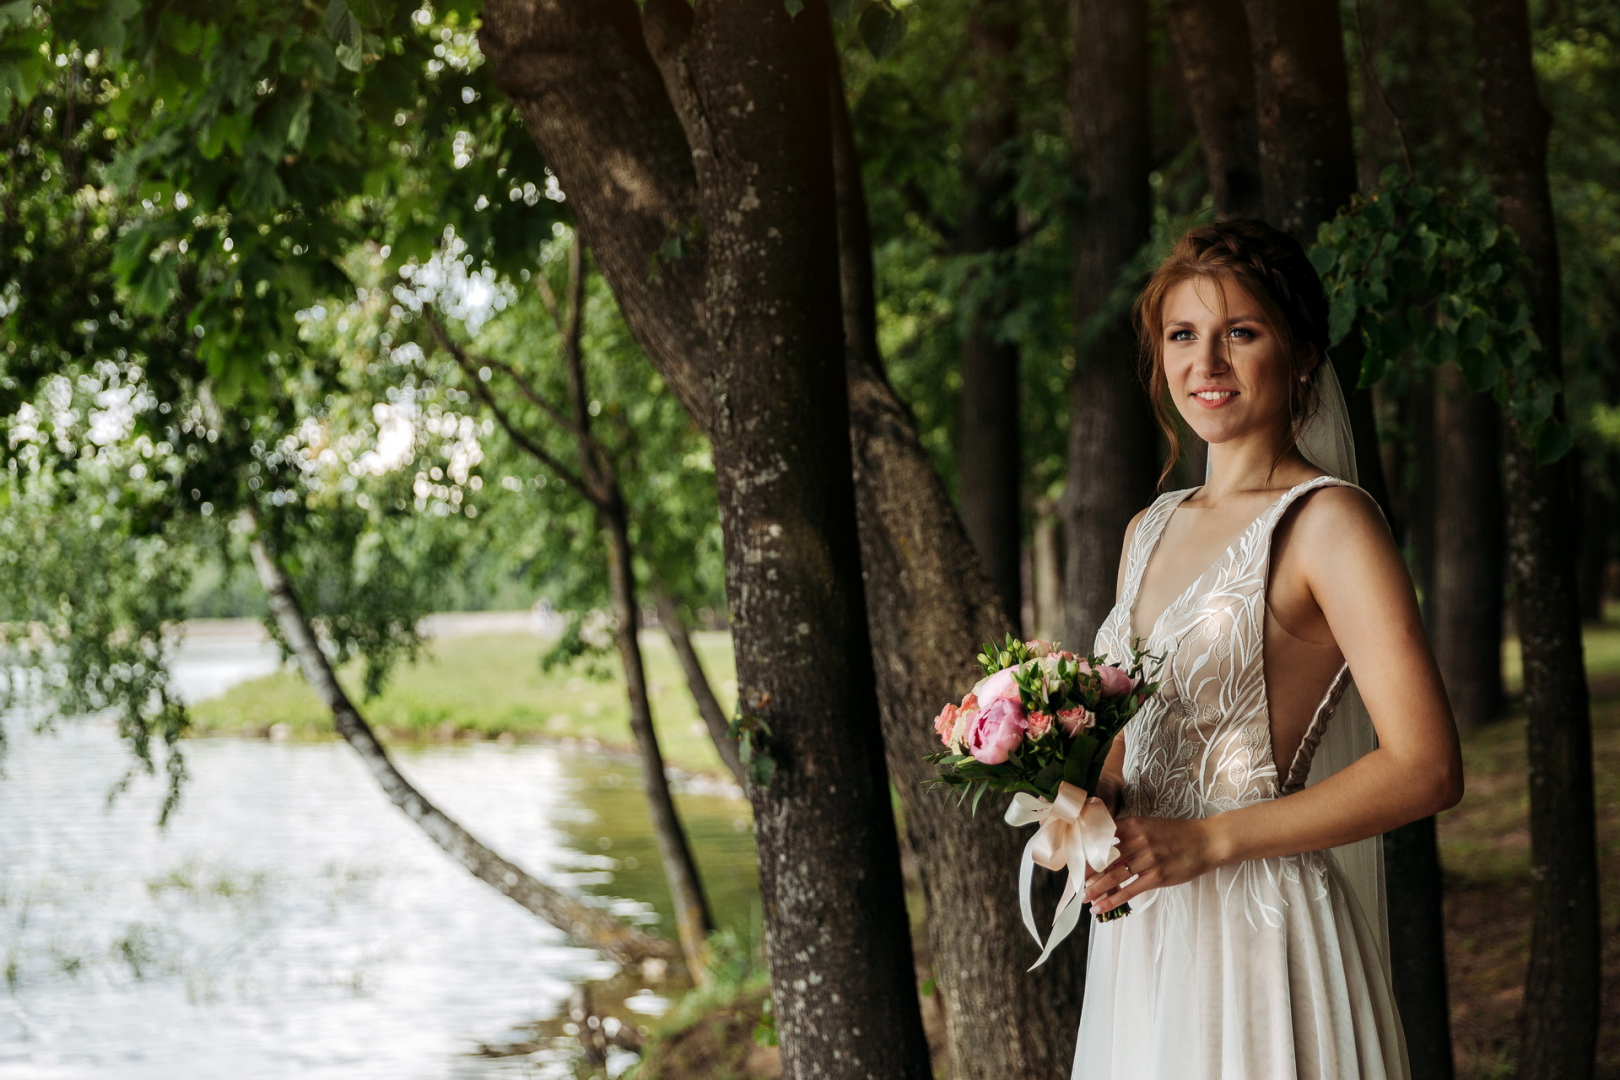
1177	322
1243	318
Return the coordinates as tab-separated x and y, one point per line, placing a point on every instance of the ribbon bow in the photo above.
1074	832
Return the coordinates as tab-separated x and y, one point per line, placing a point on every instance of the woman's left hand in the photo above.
1153	852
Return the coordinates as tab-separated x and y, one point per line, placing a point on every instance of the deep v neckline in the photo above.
1153	549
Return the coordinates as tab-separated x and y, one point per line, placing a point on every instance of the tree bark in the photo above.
1562	986
697	682
738	130
1307	152
1112	440
989	462
588	925
1211	40
931	607
1465	607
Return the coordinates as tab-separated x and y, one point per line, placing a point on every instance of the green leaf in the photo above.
341	24
1554	441
881	27
1341	315
793	7
839	10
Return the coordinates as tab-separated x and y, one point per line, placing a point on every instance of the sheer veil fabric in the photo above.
1328	444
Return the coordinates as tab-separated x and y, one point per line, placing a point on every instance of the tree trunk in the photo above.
697	681
692	919
989	463
588	925
1112	441
1307	152
931	607
736	300
1562	987
1465	607
1308	167
1211	39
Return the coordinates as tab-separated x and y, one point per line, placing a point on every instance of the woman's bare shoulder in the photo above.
1338	523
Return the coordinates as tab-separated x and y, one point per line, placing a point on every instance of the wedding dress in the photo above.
1270	969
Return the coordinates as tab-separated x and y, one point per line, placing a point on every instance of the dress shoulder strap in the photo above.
1148	531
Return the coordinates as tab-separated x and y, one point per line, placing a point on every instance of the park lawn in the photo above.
491	686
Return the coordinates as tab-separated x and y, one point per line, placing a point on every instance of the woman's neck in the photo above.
1263	461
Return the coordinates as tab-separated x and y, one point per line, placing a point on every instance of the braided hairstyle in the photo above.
1271	267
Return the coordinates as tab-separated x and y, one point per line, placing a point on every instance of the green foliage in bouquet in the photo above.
1047	717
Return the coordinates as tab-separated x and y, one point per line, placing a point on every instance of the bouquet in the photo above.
1040	725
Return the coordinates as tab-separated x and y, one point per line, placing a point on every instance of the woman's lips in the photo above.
1214	398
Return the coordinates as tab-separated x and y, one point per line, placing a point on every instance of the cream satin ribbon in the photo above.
1074	832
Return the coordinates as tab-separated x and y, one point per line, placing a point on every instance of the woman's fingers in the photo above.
1139	884
1119	871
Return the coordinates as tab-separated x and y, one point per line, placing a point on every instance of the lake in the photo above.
289	921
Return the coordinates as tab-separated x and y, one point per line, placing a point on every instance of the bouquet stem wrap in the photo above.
1074	832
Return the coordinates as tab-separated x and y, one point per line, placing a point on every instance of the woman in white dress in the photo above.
1254	951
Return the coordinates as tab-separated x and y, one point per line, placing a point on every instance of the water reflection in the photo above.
291	922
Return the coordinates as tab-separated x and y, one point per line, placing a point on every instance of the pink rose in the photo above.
1039	724
997	731
945	723
1041	648
1075	720
965	716
1115	683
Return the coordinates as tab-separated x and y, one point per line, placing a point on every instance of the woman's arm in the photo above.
1356	578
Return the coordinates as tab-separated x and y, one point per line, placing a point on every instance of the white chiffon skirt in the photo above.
1263	970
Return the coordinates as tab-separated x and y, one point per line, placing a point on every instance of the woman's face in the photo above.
1227	372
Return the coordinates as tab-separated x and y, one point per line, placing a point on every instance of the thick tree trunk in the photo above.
1112	441
1465	606
931	607
738	133
1211	39
697	682
1308	167
1307	152
588	925
692	919
988	457
1561	991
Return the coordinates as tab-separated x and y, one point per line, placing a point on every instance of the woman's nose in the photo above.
1211	358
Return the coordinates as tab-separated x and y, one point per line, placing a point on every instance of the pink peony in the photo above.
999	685
1039	724
965	716
1075	720
945	723
997	731
1039	648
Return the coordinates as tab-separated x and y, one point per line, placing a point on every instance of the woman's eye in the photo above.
1181	335
1241	332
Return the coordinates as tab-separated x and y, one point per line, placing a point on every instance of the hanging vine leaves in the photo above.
1427	276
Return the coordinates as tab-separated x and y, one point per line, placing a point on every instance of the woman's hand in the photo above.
1153	852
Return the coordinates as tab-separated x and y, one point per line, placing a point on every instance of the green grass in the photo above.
489	686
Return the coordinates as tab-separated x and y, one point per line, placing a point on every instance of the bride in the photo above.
1257	949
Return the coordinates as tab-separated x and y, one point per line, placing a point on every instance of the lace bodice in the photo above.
1202	745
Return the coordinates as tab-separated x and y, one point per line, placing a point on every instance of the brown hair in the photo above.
1270	266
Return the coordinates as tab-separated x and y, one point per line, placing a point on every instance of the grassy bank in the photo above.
491	686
